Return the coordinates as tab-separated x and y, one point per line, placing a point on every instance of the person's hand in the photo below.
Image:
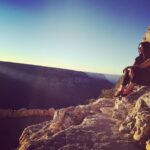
129	67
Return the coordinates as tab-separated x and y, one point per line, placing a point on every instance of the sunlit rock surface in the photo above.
89	127
147	35
134	113
148	145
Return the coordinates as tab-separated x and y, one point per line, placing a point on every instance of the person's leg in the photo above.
128	89
131	84
125	81
127	77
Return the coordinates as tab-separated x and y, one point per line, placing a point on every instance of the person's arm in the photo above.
127	68
145	64
138	60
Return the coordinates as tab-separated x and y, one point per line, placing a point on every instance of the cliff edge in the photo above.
121	123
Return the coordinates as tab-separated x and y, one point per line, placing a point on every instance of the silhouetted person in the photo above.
139	73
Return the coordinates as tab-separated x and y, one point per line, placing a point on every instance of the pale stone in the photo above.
147	35
148	145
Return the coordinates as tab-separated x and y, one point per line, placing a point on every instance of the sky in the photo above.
87	35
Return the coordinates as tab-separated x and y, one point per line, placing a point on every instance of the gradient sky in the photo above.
90	35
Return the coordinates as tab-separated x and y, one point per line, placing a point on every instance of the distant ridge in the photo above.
34	86
110	77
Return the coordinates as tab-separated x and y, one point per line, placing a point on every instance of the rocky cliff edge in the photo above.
103	124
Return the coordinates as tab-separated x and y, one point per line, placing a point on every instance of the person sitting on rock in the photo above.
138	73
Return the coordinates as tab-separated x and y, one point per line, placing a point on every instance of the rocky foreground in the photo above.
103	124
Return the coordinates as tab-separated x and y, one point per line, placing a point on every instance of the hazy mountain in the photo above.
110	77
33	86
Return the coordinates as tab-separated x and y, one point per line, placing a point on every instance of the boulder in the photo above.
147	35
135	115
148	145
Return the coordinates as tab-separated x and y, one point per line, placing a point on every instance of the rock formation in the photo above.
10	113
147	35
121	123
134	113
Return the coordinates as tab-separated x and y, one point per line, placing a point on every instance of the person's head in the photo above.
144	46
144	49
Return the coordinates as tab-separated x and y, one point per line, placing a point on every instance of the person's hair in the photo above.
144	48
145	45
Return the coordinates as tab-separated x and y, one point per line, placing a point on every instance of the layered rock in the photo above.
31	86
10	113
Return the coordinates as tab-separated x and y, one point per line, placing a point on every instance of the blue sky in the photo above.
90	35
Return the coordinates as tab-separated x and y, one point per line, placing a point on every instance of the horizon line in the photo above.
47	66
